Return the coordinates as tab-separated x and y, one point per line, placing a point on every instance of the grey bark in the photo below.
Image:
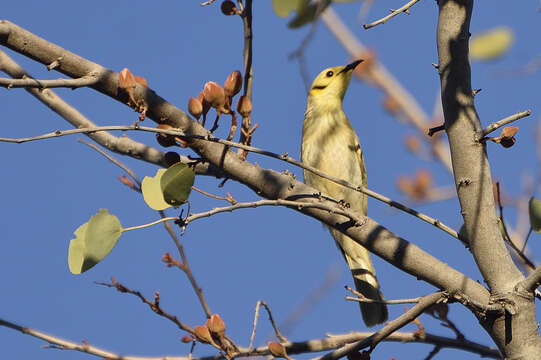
515	329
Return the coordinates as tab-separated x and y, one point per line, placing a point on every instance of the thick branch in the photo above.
267	183
515	332
121	145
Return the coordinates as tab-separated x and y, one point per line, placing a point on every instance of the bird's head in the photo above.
333	82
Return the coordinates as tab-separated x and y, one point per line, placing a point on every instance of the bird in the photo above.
330	144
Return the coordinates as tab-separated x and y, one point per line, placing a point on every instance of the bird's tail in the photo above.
364	276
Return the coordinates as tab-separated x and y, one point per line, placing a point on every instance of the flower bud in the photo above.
202	333
216	325
141	81
233	83
195	107
244	106
214	94
126	80
277	349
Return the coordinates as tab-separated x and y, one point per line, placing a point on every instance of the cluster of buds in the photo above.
220	98
127	83
213	333
506	138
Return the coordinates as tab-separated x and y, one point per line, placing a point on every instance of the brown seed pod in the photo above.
244	106
214	94
195	107
233	83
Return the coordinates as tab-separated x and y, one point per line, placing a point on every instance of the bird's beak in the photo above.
352	65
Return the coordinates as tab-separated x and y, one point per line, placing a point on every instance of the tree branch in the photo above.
474	188
27	82
533	280
284	157
121	145
498	124
388	329
267	183
403	9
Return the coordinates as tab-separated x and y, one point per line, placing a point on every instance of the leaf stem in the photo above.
150	224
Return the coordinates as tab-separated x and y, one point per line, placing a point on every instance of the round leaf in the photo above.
152	191
534	209
93	241
283	8
491	44
176	184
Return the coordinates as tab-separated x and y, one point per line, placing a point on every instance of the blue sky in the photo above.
272	254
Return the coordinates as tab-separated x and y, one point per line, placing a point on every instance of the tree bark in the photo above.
515	329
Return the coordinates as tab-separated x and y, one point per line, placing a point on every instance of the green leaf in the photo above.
492	44
307	13
152	191
283	8
93	241
534	209
176	184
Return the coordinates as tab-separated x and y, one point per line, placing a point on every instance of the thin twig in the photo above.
229	198
277	332
278	202
498	124
506	235
154	305
435	129
526	239
389	328
284	157
256	318
28	82
383	20
186	267
361	298
247	52
114	161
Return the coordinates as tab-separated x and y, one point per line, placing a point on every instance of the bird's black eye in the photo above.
329	73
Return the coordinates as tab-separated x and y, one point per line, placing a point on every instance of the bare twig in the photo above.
271	319
154	305
114	161
28	82
391	326
283	157
361	298
526	239
278	202
435	129
247	52
229	198
383	20
498	124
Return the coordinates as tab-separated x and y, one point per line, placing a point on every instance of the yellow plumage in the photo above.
330	144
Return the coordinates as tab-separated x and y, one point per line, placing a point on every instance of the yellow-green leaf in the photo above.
152	191
491	44
307	13
176	184
534	209
283	8
93	241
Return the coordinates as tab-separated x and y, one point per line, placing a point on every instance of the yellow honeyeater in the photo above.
330	144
